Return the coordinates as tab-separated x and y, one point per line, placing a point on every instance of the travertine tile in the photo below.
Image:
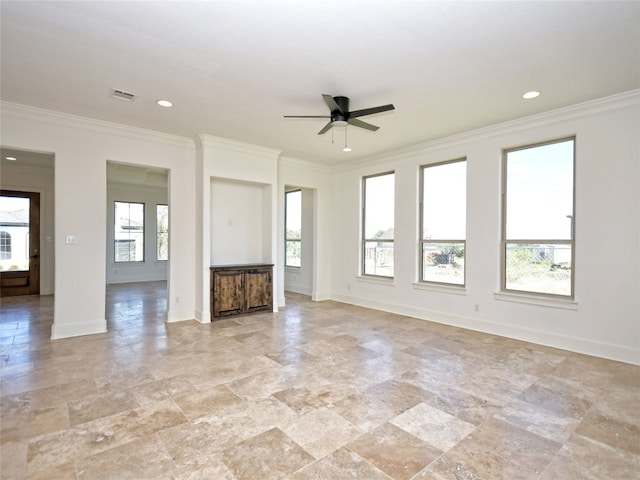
209	468
145	458
199	403
562	403
463	405
93	437
395	451
24	426
46	397
123	379
90	408
300	399
304	393
439	429
270	455
244	420
587	459
539	420
159	390
611	431
380	403
61	472
322	431
340	465
508	446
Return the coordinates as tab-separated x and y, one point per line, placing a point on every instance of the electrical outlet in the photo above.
476	307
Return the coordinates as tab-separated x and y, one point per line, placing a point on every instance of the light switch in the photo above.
71	240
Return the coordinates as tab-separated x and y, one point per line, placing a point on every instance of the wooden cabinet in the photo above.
237	289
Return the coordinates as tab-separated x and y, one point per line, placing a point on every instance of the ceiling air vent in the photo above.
122	95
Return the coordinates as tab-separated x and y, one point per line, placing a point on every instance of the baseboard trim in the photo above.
180	315
76	329
575	344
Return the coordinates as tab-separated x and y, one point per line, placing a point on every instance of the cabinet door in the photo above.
228	293
259	290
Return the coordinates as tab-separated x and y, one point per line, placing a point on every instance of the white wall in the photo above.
237	219
82	148
150	269
37	179
605	318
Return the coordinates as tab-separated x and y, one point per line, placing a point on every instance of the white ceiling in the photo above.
234	68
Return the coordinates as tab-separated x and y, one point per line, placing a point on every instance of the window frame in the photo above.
364	240
144	238
286	230
504	242
6	248
165	233
422	241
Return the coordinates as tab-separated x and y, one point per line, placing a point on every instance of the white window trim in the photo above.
440	287
532	299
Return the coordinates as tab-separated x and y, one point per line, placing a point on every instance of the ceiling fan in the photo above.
341	116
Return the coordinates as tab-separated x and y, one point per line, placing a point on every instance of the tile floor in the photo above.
316	391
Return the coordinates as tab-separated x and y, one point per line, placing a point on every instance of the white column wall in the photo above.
82	147
223	159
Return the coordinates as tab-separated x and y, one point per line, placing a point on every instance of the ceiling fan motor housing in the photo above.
340	117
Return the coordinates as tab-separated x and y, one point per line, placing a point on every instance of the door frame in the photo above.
17	282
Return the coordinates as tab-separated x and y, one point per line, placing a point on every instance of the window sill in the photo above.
389	281
430	287
288	268
535	300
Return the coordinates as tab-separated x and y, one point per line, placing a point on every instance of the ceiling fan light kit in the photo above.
340	116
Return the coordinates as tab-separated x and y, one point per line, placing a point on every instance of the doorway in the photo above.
19	243
137	240
300	258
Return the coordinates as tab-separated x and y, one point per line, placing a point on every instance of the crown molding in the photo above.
306	165
572	112
210	141
86	123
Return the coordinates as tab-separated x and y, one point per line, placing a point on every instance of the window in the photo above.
129	232
443	222
293	228
538	219
162	232
377	224
5	246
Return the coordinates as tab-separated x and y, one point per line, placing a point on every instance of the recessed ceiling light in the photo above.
530	95
164	103
13	159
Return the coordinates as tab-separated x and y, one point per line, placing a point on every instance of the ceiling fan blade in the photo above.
326	128
359	123
331	103
307	116
371	111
